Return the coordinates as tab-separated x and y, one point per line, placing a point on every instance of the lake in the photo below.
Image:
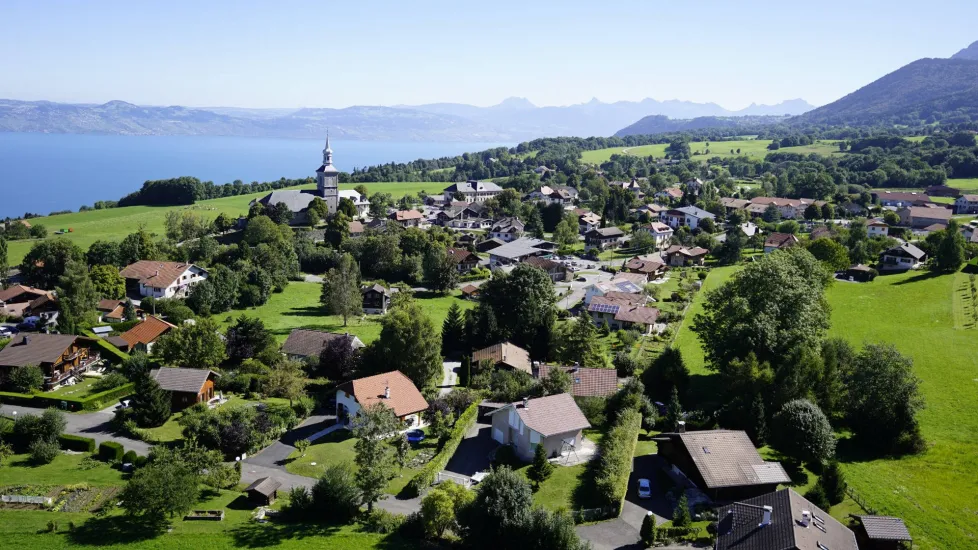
42	173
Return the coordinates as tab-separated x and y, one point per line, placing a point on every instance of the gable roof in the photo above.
507	225
551	415
295	201
265	486
605	233
310	343
505	353
375	288
727	458
929	213
629	308
15	291
147	331
644	265
356	226
181	380
586	382
35	349
780	240
404	397
543	263
730	202
690	252
673	192
900	196
739	526
522	247
109	305
156	274
461	255
405	215
473	186
885	528
908	249
695	212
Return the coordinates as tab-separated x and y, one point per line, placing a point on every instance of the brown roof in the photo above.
673	192
119	342
901	196
727	458
108	305
637	314
636	278
625	307
929	213
404	215
644	266
181	380
155	274
265	486
356	227
147	332
15	291
932	227
777	201
404	397
885	528
543	263
507	354
461	255
780	240
551	415
47	297
586	382
35	349
691	252
310	343
470	289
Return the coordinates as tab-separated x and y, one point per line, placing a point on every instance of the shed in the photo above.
881	532
264	491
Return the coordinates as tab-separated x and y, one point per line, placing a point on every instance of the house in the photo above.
881	533
789	208
307	345
653	210
463	215
903	257
541	170
187	387
392	389
966	204
877	228
652	266
748	229
263	491
504	356
679	256
16	301
142	336
356	229
561	194
617	285
623	311
557	271
588	221
689	216
632	186
470	291
779	241
376	299
407	218
669	194
659	231
60	356
780	520
853	209
821	232
934	227
554	421
919	217
722	463
113	311
507	230
731	204
694	185
464	260
519	250
359	201
604	237
586	382
157	279
899	199
472	191
488	244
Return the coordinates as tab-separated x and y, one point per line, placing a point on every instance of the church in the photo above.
327	188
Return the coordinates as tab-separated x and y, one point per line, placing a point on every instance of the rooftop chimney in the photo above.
806	518
767	516
27	340
387	392
682	426
526	402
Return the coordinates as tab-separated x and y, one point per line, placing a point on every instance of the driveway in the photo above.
578	288
449	376
94	425
472	455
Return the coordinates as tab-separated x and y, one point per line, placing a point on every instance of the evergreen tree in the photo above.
150	403
77	297
341	289
452	331
833	481
950	252
534	225
375	458
129	312
666	372
647	534
541	468
4	263
674	411
581	345
680	516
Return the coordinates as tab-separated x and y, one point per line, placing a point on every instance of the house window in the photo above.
534	437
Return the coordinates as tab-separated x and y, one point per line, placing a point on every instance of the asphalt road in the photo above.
95	425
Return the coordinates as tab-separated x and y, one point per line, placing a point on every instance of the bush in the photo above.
49	426
109	382
614	462
802	431
44	451
816	495
26	379
593	409
76	443
299	506
129	457
681	516
110	451
382	522
426	477
336	495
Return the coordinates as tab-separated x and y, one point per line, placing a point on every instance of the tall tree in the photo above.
502	507
440	272
731	250
163	488
580	345
340	360
453	331
375	456
150	404
196	346
884	399
565	234
246	338
666	371
77	297
409	343
832	254
341	289
4	263
108	283
47	259
950	252
524	307
801	430
286	380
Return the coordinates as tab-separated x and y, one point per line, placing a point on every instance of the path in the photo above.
449	377
94	425
312	278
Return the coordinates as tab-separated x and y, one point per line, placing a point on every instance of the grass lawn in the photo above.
337	447
751	148
115	223
568	487
936	493
65	470
968	185
298	307
77	391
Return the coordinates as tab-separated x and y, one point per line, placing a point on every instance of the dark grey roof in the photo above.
907	248
522	247
606	232
266	486
507	224
181	380
35	349
296	201
310	343
375	288
885	528
740	527
473	186
696	212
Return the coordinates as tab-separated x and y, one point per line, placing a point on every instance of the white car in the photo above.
644	488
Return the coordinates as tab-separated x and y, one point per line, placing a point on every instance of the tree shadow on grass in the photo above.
920	277
585	494
242	503
115	530
264	535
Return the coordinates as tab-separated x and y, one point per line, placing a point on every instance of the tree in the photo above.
43	451
440	272
891	218
6	451
642	241
950	252
196	346
4	263
816	495
674	411
501	507
441	507
828	211
286	380
341	289
247	338
129	311
77	297
580	344
452	331
523	305
336	496
565	234
557	381
801	430
832	254
730	251
103	253
812	212
150	404
337	229
680	516
375	458
138	246
223	223
771	214
44	265
340	359
770	307
534	224
884	398
108	283
26	379
163	488
666	371
648	532
441	425
409	343
302	446
541	468
789	226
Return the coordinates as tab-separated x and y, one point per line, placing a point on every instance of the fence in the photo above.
861	502
464	481
594	514
24	499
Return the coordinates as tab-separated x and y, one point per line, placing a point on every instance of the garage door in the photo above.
497	434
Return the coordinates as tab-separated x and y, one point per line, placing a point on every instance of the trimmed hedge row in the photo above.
109	352
614	464
76	443
426	477
110	451
91	403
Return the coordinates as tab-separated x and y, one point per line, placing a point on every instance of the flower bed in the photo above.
205	515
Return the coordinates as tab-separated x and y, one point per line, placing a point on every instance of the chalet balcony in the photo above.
51	382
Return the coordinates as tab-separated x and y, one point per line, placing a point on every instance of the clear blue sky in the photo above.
334	54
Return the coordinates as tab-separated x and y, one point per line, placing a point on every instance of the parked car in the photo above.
644	488
415	436
6	331
30	323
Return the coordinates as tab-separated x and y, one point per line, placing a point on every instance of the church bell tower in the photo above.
327	180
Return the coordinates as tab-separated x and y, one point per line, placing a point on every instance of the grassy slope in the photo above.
65	470
115	223
753	148
936	493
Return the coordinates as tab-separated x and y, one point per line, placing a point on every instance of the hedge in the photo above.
426	476
614	462
93	402
76	443
110	451
110	352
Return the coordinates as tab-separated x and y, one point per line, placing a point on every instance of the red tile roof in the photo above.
404	397
155	274
586	382
146	332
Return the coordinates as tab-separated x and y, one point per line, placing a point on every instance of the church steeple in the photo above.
327	152
328	179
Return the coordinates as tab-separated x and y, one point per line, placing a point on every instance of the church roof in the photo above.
295	200
327	169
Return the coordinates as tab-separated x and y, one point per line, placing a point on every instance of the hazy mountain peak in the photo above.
516	103
970	53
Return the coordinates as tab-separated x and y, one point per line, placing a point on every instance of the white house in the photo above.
507	229
659	231
472	191
554	421
163	279
877	228
360	201
966	204
391	389
690	216
588	221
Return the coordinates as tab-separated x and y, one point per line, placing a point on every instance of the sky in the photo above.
327	53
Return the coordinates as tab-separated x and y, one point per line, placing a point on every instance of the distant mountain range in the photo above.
657	124
971	52
514	119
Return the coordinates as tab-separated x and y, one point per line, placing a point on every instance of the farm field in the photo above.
939	514
115	223
298	307
750	147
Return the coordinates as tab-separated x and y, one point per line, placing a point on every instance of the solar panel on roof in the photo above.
605	308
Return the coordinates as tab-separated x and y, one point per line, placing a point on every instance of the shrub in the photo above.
680	516
299	506
129	457
593	409
76	443
816	495
802	431
426	477
336	495
44	451
540	470
48	426
109	382
647	534
26	379
110	451
614	463
382	522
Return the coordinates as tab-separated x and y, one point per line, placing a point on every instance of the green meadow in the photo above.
926	317
750	147
115	223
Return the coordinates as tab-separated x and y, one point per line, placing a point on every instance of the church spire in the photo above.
327	152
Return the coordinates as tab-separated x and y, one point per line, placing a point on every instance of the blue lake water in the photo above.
46	172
